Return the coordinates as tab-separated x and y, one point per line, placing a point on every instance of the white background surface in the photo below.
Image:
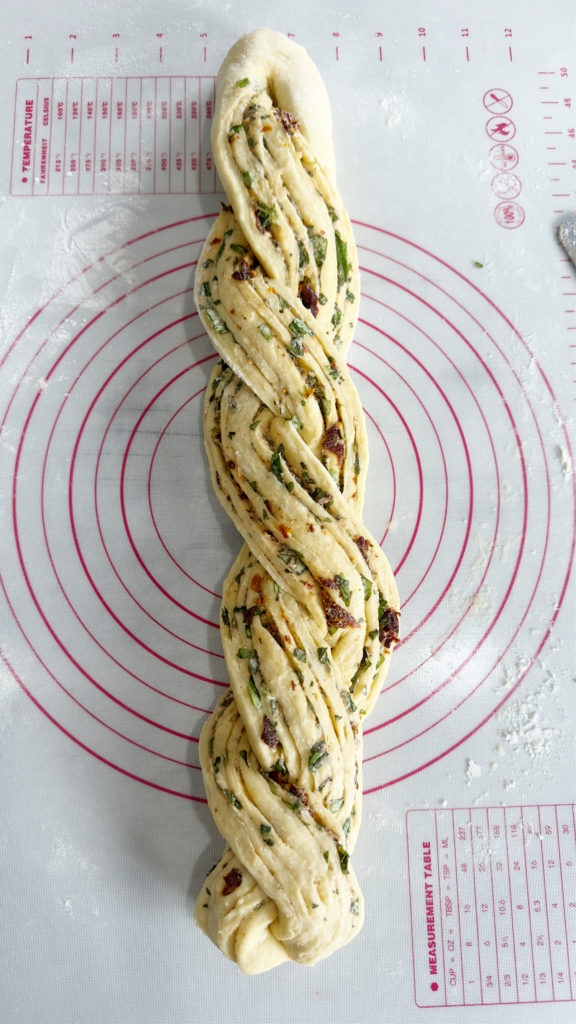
100	871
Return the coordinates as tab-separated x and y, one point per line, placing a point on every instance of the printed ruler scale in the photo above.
493	904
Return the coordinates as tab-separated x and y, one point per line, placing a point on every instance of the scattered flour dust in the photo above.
529	730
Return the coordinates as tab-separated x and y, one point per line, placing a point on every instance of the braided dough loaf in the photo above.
310	609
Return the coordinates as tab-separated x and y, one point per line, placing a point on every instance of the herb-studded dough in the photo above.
310	610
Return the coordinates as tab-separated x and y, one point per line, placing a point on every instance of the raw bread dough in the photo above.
310	609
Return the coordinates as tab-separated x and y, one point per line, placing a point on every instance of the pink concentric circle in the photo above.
117	548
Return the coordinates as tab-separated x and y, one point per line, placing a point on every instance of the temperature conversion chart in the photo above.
93	136
493	902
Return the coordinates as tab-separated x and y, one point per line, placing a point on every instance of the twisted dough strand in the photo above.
309	612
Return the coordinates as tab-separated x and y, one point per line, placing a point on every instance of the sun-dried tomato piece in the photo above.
270	625
244	272
308	298
389	627
333	442
364	546
335	614
248	614
300	794
231	881
329	584
288	121
269	734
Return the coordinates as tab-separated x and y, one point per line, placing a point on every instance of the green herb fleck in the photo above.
299	653
319	247
323	655
344	859
341	260
254	694
303	258
276	466
247	178
292	559
335	805
265	331
298	328
344	588
367	584
225	617
216	321
348	700
243	652
265	214
318	754
232	799
254	424
243	82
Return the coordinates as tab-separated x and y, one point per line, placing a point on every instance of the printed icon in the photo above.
503	157
506	185
497	101
501	128
509	214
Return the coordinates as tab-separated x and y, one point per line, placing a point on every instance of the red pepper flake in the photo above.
231	881
309	298
284	530
231	464
335	614
256	583
215	241
266	128
269	734
333	442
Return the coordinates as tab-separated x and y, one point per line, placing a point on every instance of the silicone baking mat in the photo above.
455	133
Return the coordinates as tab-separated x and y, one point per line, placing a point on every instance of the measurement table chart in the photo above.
493	898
